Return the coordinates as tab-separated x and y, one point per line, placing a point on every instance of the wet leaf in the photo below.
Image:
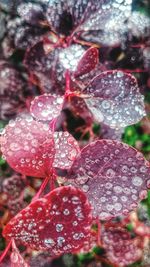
66	148
114	176
46	107
120	247
59	222
115	99
88	62
28	147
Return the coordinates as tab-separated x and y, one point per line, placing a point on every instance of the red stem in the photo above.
52	181
46	180
67	77
5	251
52	125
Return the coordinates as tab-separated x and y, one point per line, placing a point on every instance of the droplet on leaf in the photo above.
46	107
120	247
66	148
48	223
106	167
30	150
115	99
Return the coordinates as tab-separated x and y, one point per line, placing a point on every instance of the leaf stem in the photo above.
67	77
5	251
46	180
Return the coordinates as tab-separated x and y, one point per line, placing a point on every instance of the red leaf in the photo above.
28	147
46	107
59	222
88	62
114	176
121	248
16	258
67	149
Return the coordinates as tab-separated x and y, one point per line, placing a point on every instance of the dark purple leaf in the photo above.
88	62
115	99
114	176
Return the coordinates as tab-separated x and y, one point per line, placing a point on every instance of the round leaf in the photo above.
46	107
114	98
114	176
59	222
28	147
121	248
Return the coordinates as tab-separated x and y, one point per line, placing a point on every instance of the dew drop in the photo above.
137	181
85	188
66	212
59	227
49	242
60	241
117	206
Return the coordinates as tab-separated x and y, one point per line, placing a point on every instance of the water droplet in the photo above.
65	199
109	207
59	227
106	104
49	242
12	123
14	147
66	212
75	200
110	173
137	181
59	100
117	206
85	188
124	198
60	241
40	104
120	74
143	169
75	223
77	236
118	189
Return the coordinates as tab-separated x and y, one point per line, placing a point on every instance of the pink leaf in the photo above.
28	147
16	258
46	107
88	62
59	222
114	176
115	99
121	248
67	149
